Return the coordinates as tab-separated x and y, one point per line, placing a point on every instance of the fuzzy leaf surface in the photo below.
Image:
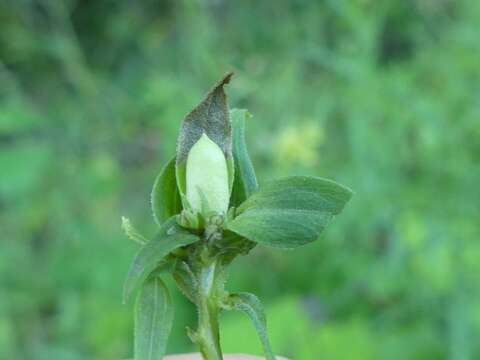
252	306
153	320
245	182
185	280
149	257
290	212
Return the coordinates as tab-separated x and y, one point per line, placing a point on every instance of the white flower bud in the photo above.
207	176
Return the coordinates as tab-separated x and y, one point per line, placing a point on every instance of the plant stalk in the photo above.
208	337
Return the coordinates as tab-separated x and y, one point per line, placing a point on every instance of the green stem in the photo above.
208	338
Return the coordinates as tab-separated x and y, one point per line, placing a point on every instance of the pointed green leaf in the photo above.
153	320
245	182
165	197
170	237
252	306
290	212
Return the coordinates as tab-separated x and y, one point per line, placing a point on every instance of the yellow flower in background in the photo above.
299	144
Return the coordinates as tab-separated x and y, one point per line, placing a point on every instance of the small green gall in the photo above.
207	177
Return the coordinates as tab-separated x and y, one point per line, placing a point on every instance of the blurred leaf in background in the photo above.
381	96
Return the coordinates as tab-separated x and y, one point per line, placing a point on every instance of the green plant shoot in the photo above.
210	209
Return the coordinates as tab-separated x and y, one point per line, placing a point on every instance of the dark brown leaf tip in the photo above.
226	79
211	117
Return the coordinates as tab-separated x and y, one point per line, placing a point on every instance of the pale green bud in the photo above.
207	177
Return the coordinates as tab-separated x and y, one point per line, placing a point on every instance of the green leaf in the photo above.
170	237
153	320
252	306
231	245
290	212
211	117
185	280
245	182
165	197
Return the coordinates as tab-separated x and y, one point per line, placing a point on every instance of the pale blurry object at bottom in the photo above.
197	356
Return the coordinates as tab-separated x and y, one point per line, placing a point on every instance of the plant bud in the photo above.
207	184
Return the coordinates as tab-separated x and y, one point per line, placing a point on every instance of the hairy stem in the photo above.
208	338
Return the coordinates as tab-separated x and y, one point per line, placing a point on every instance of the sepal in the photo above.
165	197
245	182
210	117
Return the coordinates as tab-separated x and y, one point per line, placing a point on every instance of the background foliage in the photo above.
379	95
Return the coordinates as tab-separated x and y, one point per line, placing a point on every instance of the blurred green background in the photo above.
383	96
